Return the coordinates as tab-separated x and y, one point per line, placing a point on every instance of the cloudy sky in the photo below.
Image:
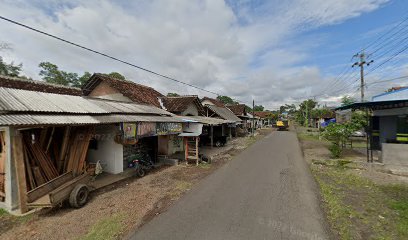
274	51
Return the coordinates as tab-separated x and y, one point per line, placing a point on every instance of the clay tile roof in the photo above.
136	92
38	86
180	103
237	109
262	114
214	101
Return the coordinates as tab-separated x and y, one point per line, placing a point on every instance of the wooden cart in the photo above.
65	187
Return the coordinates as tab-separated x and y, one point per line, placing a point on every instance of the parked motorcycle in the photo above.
141	162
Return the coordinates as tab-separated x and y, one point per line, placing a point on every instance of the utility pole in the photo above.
253	117
361	64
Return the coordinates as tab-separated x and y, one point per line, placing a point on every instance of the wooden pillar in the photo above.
230	132
18	156
185	139
212	136
196	148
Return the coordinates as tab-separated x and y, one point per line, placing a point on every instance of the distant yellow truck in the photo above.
282	125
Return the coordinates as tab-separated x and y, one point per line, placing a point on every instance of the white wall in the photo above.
109	152
191	110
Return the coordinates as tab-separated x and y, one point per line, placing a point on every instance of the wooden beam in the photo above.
212	135
17	143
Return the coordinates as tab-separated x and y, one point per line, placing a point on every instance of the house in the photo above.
106	87
264	118
319	120
240	111
45	136
211	101
39	86
388	125
183	105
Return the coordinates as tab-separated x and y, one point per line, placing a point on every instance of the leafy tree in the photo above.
10	69
290	108
347	100
80	81
282	109
259	108
226	100
172	94
304	112
117	75
51	74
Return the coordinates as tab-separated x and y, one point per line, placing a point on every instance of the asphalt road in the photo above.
267	192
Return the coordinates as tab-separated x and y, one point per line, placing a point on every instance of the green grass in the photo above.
309	137
359	209
107	228
3	212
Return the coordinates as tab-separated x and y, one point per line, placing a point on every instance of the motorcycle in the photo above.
141	162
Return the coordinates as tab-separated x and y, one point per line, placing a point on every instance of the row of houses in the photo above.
49	134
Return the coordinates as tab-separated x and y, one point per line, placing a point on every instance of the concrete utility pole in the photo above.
361	64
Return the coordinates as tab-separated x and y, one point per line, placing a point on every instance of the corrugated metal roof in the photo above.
17	100
52	119
205	120
224	113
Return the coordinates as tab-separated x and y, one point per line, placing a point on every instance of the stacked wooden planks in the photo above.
50	152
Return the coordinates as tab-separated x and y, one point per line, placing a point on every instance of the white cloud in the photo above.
240	49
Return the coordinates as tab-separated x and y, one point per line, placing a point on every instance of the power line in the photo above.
387	80
383	35
106	55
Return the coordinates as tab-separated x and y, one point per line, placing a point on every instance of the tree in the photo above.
51	74
303	114
347	100
226	100
172	94
10	69
258	108
117	75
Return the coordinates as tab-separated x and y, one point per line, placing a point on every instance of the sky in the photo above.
275	51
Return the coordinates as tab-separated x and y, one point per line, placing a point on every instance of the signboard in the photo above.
146	129
129	131
168	128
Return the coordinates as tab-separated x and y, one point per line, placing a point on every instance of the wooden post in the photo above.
212	136
230	132
196	141
186	149
17	143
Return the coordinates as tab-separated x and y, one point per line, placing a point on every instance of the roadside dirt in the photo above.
136	201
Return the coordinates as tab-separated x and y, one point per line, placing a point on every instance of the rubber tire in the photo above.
218	143
140	172
79	196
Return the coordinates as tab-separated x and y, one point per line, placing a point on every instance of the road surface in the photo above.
266	192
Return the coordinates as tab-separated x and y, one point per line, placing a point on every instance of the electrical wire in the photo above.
106	55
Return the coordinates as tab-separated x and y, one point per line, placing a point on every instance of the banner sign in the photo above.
129	131
146	129
168	128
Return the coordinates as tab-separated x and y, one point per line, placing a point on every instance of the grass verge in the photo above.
107	228
359	209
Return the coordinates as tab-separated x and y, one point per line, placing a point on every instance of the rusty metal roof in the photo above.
205	120
16	100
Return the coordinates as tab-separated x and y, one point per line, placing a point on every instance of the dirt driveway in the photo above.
115	210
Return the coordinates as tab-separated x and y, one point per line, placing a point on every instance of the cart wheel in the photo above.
218	143
79	196
140	172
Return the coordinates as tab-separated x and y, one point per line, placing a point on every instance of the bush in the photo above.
335	150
